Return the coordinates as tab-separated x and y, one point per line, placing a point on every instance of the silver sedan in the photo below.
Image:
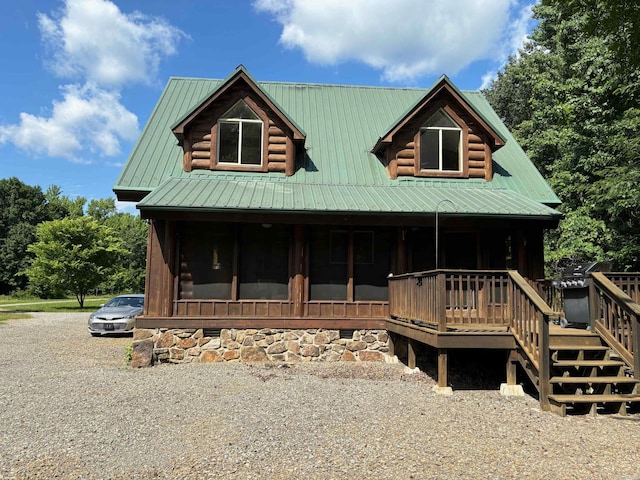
116	316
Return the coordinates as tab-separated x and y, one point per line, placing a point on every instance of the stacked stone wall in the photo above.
154	346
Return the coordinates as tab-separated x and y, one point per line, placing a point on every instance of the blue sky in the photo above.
80	77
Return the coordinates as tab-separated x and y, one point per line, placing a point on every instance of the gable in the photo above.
411	139
212	128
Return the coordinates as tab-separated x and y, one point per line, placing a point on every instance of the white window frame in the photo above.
240	122
440	130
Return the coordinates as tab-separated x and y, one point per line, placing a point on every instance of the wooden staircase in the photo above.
587	378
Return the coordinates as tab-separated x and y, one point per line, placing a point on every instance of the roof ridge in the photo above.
319	84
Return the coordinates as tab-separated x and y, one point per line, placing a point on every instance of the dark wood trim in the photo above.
469	339
235	266
147	277
297	290
350	268
130	195
262	322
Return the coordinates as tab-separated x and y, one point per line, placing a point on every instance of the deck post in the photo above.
442	367
441	301
544	374
412	346
511	367
392	345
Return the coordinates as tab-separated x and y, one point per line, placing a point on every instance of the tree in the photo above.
74	254
571	98
132	230
22	207
61	206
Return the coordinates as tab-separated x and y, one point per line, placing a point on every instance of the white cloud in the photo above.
86	123
515	36
405	39
101	50
93	39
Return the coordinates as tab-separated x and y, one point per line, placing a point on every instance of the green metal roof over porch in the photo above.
233	194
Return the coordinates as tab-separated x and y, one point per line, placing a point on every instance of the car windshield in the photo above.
125	302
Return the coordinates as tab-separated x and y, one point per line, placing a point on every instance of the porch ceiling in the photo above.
229	194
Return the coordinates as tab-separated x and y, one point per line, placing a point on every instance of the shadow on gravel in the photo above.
469	369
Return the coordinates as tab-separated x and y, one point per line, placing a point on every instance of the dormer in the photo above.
441	135
239	128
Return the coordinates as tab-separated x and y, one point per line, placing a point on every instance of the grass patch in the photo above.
14	305
4	316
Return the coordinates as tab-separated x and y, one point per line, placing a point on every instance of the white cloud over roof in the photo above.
405	39
100	49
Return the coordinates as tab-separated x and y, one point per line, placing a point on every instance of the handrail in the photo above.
530	326
444	297
609	304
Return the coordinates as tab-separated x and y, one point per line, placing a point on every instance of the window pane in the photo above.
251	143
228	133
241	110
373	249
429	150
451	150
206	261
328	264
264	263
441	119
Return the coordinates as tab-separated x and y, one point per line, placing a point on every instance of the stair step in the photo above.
591	348
613	380
618	398
587	363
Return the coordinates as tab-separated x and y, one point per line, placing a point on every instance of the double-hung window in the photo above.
240	133
440	144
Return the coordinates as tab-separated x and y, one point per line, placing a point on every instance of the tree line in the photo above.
50	246
571	98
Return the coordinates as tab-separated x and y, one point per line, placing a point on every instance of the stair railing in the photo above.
530	317
616	317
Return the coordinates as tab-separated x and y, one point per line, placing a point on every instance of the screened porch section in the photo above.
274	270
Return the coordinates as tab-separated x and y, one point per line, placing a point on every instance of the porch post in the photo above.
412	346
297	290
403	264
169	253
442	367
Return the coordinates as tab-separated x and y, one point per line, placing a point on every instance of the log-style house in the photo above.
283	218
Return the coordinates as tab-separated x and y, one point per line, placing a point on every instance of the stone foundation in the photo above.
153	346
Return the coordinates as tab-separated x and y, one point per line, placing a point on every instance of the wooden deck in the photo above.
501	310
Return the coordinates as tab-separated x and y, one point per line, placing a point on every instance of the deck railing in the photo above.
615	315
530	326
442	299
450	298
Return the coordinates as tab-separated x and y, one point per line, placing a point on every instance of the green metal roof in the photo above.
339	172
207	194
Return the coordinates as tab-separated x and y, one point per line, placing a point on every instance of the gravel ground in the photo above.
71	408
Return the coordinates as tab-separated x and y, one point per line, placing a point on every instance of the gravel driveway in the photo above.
71	408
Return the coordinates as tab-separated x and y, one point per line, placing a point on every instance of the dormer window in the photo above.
240	133
440	144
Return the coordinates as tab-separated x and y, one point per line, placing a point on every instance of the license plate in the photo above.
108	326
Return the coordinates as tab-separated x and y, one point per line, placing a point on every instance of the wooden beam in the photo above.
512	359
298	271
442	367
261	322
412	347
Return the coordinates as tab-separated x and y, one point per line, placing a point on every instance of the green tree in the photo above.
132	230
22	207
62	206
101	208
570	97
74	254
